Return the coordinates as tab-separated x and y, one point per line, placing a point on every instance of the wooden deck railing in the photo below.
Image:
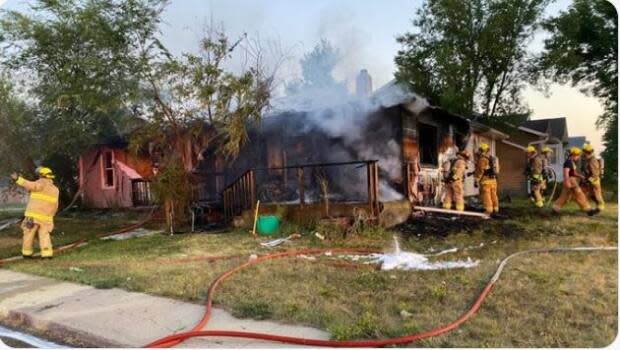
241	194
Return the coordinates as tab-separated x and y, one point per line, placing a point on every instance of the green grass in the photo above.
544	300
69	228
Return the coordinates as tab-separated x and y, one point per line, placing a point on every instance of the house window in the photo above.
107	169
427	141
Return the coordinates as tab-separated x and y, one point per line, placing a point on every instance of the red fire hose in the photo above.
196	331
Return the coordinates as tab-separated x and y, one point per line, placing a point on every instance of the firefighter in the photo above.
455	181
535	174
571	188
592	176
40	211
546	154
487	169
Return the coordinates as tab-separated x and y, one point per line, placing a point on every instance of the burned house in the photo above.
320	149
387	147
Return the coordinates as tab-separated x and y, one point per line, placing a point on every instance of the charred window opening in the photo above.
275	157
108	169
428	143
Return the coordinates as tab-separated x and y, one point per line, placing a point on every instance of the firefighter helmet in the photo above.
575	151
483	147
45	172
588	148
531	149
546	149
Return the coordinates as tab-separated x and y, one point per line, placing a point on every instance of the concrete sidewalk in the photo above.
84	316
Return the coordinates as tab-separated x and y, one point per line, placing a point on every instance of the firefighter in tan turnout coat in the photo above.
487	169
455	182
534	172
592	176
40	211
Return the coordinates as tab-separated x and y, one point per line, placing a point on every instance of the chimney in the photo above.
363	84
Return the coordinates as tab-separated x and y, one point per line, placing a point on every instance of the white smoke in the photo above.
360	128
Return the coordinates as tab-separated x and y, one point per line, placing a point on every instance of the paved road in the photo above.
84	316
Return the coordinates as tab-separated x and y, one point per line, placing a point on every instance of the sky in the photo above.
364	31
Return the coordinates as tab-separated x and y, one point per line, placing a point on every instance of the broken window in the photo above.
427	140
108	171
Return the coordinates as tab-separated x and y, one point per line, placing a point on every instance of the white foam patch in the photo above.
414	261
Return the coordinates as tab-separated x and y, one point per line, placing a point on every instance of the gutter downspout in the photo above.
516	145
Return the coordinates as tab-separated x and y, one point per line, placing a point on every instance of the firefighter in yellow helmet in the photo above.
571	188
534	172
40	211
487	169
546	153
455	181
591	169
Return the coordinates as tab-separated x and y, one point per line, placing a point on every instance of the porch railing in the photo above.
141	193
242	193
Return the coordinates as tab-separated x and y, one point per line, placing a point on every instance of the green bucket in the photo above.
267	225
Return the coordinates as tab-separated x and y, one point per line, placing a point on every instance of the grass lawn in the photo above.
68	228
544	300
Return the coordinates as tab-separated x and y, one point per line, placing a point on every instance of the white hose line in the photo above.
555	186
503	263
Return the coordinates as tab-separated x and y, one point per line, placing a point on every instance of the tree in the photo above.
583	50
82	62
194	102
470	56
16	117
317	68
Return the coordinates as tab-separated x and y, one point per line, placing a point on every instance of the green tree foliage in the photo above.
82	62
195	102
18	121
317	68
583	51
470	56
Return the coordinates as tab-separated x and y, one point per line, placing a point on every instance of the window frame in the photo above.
104	170
436	145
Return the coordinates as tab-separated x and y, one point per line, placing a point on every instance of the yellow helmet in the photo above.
588	148
483	147
575	151
45	172
547	150
531	149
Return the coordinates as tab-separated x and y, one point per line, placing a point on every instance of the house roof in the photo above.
556	128
488	130
389	95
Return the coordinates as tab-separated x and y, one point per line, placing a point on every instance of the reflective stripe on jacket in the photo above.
43	201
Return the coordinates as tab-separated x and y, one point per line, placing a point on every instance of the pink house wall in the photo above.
95	194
